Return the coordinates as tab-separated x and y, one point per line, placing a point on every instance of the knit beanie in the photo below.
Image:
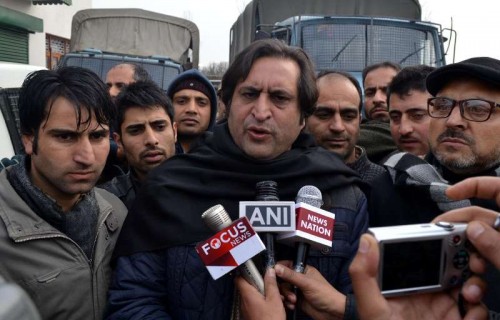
194	79
193	84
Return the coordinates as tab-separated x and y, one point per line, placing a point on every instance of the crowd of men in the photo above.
421	146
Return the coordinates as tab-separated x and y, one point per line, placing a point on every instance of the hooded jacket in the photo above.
196	74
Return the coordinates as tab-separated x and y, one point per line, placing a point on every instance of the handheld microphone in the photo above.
314	227
16	304
216	218
311	196
269	216
268	191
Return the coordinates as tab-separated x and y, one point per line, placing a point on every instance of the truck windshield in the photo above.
353	46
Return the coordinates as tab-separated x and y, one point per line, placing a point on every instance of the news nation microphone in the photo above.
232	246
314	226
269	216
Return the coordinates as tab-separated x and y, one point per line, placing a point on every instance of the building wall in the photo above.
56	21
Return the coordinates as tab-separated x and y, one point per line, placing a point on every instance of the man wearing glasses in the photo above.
464	139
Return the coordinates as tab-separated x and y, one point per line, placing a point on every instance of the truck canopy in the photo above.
268	12
136	32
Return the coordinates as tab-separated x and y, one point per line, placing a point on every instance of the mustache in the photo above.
379	106
148	150
450	133
256	125
407	136
337	136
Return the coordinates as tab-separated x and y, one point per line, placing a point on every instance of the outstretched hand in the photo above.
480	231
441	305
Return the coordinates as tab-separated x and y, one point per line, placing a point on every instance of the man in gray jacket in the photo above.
57	232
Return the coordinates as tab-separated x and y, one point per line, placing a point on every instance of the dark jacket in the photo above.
375	137
398	204
367	170
391	204
124	186
159	275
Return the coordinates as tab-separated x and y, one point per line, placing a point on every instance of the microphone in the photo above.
16	304
311	196
269	216
268	191
217	219
314	227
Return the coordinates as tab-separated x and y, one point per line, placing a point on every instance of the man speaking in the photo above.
269	91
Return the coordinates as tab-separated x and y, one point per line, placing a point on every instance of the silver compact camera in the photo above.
421	257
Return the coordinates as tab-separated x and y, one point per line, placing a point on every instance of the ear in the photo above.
118	140
28	142
303	124
174	128
306	128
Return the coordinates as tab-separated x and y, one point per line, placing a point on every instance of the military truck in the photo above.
164	45
345	34
12	76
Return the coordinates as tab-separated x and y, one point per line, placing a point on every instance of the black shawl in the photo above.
167	211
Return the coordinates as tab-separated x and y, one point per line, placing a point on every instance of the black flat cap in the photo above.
482	68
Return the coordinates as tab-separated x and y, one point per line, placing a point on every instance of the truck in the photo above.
101	38
164	45
12	76
345	35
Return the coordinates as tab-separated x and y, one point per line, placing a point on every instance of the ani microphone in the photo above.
269	217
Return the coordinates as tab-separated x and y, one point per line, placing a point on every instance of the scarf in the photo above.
79	224
168	208
406	169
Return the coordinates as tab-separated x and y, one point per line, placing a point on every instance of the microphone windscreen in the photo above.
216	218
310	195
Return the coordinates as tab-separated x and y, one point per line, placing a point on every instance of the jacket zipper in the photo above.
97	235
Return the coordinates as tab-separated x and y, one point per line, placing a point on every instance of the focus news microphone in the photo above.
216	218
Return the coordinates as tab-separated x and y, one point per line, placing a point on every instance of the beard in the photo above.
468	161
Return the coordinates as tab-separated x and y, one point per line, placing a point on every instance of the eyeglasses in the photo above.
478	110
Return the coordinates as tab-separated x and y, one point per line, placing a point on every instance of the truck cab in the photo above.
12	76
346	35
352	43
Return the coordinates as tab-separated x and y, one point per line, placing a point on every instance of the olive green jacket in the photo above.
51	267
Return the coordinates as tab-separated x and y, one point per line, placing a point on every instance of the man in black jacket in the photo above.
375	134
269	91
463	138
336	119
145	135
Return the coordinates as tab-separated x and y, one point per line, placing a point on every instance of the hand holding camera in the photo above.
371	304
421	257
